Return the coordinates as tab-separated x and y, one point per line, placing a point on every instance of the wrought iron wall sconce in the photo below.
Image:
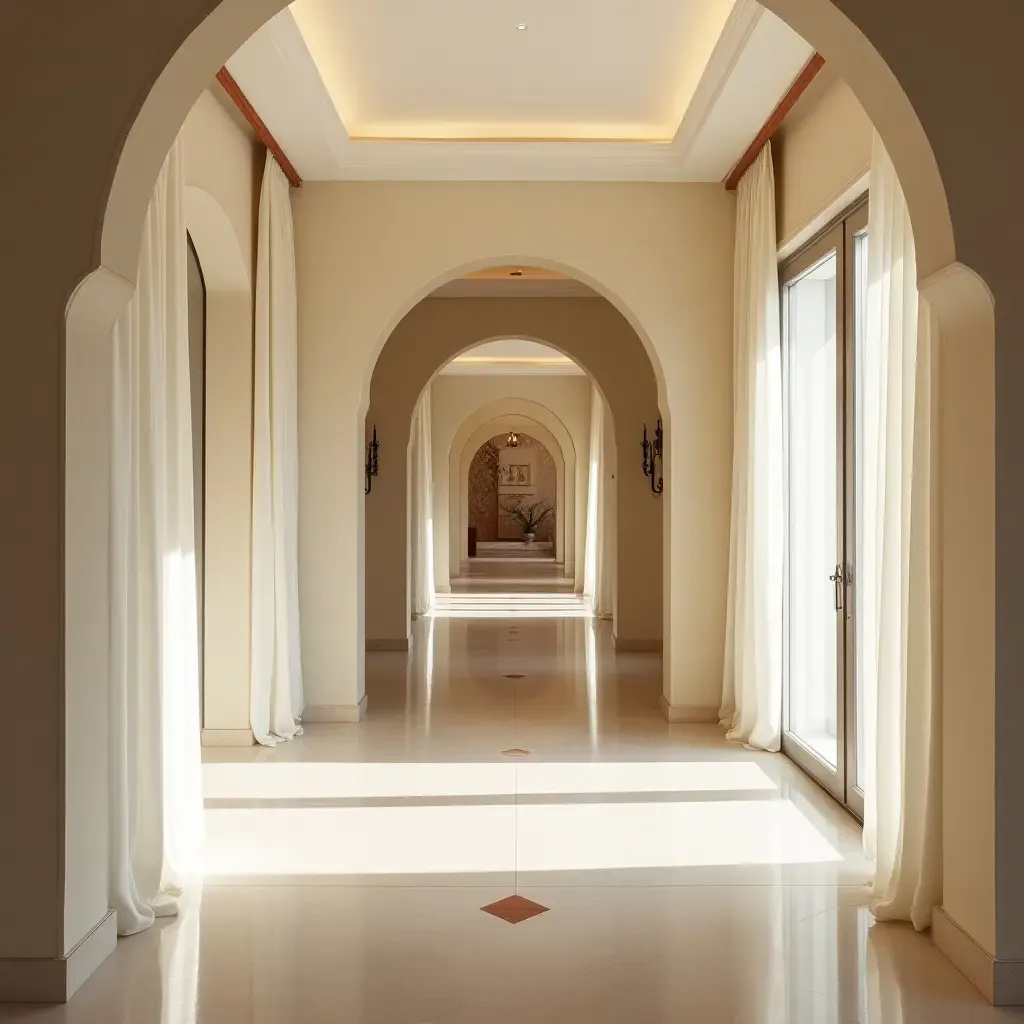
652	459
372	464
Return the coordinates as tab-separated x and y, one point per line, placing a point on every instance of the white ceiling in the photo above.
511	356
449	69
656	90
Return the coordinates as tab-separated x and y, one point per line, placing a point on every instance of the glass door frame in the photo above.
839	237
854	224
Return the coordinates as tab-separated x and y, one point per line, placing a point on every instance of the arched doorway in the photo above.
513	471
501	477
599	340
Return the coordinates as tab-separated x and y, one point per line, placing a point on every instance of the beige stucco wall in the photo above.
822	156
367	252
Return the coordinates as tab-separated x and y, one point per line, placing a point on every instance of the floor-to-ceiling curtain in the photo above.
598	566
608	557
155	785
421	506
276	697
752	686
897	607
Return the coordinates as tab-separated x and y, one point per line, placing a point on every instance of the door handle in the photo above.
838	586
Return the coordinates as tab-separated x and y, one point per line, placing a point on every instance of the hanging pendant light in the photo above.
512	441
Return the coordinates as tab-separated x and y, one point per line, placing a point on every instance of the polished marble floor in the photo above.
684	878
512	569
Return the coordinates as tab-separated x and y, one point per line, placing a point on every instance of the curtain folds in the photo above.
898	607
421	506
156	810
752	685
276	693
598	560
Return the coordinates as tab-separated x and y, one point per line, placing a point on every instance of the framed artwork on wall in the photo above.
516	475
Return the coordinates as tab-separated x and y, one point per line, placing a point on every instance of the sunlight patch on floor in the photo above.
306	780
459	840
510	606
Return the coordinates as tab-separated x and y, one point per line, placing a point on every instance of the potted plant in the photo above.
530	517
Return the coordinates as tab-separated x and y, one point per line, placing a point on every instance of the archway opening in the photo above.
513	500
505	343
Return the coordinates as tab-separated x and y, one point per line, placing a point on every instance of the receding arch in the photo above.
227	452
565	532
443	276
595	335
494	418
216	242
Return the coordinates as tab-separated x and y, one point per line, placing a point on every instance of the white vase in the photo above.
528	537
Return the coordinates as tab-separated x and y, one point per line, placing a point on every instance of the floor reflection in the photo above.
687	879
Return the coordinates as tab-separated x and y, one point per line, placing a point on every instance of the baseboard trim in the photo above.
696	714
57	980
327	713
1001	982
626	646
397	644
227	738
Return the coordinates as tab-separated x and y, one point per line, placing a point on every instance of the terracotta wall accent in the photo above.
483	492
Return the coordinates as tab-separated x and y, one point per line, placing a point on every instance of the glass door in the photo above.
827	499
814	641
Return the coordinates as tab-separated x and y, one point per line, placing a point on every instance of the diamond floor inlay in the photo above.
515	909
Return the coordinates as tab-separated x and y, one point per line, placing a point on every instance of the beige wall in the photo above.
822	156
601	340
367	252
223	164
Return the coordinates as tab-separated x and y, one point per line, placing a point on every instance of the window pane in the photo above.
812	661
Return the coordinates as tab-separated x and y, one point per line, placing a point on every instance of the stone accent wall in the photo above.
483	492
485	495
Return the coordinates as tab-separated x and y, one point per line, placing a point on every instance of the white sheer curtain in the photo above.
752	686
421	506
275	694
156	809
897	607
598	561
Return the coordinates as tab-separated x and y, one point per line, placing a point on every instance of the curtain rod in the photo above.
263	133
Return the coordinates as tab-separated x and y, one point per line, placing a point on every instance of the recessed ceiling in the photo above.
650	90
515	356
461	69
